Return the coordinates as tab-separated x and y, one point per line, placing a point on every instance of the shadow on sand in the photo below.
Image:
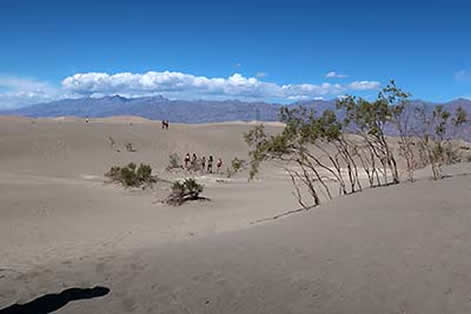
49	303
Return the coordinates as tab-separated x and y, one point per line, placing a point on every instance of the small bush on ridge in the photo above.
131	175
174	161
184	191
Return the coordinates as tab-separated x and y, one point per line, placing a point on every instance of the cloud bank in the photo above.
16	92
236	85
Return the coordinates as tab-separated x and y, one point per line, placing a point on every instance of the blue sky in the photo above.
265	50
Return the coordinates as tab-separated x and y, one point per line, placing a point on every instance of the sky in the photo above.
274	51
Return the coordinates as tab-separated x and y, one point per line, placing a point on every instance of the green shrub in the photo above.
114	173
130	148
132	176
236	166
184	191
192	188
174	162
144	173
129	177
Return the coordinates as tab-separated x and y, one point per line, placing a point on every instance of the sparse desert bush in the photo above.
451	154
174	161
184	191
236	166
437	128
132	176
196	166
113	173
313	149
369	120
112	143
144	173
130	148
229	172
316	148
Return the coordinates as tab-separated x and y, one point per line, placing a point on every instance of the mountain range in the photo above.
185	111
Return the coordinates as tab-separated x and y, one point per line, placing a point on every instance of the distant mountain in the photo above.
159	108
196	111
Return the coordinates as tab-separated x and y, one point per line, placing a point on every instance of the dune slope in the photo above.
399	249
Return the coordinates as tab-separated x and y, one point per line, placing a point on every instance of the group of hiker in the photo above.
206	164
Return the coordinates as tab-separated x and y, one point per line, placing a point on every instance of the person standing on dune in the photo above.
203	163
187	160
164	124
210	164
194	160
219	165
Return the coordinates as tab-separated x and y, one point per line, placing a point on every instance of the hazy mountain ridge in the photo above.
155	108
196	111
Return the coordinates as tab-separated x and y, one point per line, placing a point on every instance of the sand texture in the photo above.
402	249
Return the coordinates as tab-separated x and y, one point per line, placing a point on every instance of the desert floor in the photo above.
399	249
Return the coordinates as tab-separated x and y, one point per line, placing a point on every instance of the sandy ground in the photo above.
400	249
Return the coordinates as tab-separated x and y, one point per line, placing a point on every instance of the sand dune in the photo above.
401	249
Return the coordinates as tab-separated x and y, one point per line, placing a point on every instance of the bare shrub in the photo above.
112	143
130	148
174	162
195	166
229	172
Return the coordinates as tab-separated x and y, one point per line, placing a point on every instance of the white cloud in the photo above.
334	74
16	92
261	74
463	75
174	83
363	85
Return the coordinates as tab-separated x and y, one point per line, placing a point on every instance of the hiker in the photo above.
86	119
187	160
219	164
203	163
194	160
210	164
